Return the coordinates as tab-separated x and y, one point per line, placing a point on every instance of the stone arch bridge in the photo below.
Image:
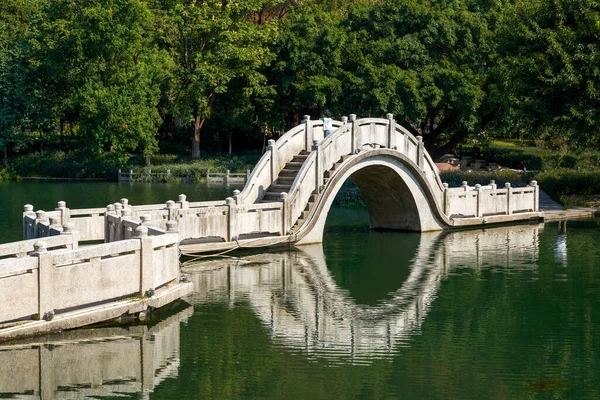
290	191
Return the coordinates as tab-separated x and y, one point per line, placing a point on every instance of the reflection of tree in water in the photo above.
295	295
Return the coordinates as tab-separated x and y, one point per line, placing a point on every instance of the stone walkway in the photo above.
554	211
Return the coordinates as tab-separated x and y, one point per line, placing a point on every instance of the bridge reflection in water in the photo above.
92	362
296	297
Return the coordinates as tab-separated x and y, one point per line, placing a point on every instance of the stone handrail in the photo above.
482	201
46	283
24	247
352	137
278	154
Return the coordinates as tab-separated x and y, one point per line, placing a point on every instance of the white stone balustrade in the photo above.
44	283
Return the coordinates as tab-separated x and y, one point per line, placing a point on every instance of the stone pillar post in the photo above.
110	210
64	212
172	210
508	194
232	219
45	284
308	132
28	225
172	226
227	176
354	134
117	227
183	203
391	131
446	205
146	220
478	210
536	196
146	261
273	151
69	229
318	166
55	226
118	209
125	204
236	195
285	225
41	224
465	185
344	120
420	152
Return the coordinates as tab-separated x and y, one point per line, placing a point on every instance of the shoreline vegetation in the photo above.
572	179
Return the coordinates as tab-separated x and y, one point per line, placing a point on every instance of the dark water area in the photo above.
499	313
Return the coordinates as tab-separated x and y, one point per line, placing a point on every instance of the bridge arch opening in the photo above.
389	201
392	190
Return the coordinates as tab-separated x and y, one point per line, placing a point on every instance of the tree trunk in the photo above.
230	137
198	122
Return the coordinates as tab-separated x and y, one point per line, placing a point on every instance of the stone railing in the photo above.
353	136
223	220
278	154
220	177
44	282
481	201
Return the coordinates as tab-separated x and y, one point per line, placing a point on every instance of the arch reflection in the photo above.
95	362
298	300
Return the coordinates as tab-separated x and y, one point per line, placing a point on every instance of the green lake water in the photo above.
502	313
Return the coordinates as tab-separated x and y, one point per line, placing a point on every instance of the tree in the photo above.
16	89
100	65
426	62
549	67
215	43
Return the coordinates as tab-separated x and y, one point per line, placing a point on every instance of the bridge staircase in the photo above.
316	196
286	178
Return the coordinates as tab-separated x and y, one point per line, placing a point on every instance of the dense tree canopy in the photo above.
126	76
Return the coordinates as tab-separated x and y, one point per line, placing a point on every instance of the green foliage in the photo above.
513	154
515	178
549	69
216	44
123	75
101	68
196	169
563	183
426	63
76	164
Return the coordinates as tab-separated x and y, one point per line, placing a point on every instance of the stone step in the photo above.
289	172
346	156
293	165
300	158
271	197
286	180
278	188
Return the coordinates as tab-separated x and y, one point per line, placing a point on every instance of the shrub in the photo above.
456	177
563	183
